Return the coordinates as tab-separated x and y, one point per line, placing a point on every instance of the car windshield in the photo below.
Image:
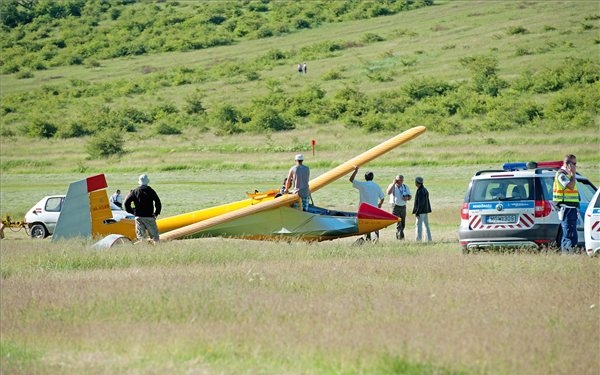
502	189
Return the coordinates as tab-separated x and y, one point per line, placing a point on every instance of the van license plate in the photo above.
502	219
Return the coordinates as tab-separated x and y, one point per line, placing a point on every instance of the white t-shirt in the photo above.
369	192
396	198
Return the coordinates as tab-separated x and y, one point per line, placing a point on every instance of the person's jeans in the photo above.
400	211
143	224
305	203
569	230
422	221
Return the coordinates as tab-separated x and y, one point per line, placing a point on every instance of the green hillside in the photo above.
456	67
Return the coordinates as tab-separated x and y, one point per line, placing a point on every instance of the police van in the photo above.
512	207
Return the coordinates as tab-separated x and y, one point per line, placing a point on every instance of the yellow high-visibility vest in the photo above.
566	195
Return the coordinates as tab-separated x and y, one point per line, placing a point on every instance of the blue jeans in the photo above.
568	241
422	222
305	203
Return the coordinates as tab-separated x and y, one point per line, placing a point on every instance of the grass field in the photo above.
220	306
223	306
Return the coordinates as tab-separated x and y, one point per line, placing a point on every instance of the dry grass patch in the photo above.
227	306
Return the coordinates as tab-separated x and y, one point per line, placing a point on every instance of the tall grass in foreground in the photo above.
243	307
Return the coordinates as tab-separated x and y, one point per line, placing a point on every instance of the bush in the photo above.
164	128
193	104
419	89
105	143
73	129
39	128
513	30
269	119
484	69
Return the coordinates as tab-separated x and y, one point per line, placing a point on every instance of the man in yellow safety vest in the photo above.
566	196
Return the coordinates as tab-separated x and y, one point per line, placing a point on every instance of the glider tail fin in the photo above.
86	212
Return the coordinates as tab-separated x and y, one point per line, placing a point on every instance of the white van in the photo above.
41	219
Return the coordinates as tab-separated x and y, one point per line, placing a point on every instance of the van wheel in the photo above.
38	231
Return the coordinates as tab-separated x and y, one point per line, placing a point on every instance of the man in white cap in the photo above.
299	176
147	207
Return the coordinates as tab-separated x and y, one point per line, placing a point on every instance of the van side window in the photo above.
54	204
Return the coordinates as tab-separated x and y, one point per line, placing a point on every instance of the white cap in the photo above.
299	157
144	180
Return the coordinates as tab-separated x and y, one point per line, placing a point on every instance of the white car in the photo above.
591	226
512	207
41	219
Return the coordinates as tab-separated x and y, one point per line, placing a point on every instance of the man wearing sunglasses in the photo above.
566	197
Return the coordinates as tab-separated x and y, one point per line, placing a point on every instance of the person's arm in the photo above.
573	171
416	205
157	205
354	173
127	203
288	181
380	203
408	196
390	188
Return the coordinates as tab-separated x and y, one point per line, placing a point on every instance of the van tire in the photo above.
38	230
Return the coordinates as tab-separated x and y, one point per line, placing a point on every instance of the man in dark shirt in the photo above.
146	208
421	209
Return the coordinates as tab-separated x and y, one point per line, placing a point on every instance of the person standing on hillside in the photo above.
566	196
421	209
370	193
299	176
147	207
305	68
399	194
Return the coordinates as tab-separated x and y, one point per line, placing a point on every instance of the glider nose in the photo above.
371	218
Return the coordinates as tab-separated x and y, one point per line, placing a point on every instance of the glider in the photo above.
263	216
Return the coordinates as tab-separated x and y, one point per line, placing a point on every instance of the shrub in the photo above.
25	73
39	128
164	128
513	30
371	38
105	143
484	69
419	89
72	129
269	119
332	75
193	104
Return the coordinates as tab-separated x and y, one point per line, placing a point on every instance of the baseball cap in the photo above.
299	157
419	180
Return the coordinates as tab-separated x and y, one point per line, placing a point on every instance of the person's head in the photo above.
399	180
570	159
369	176
299	158
118	191
419	181
143	180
